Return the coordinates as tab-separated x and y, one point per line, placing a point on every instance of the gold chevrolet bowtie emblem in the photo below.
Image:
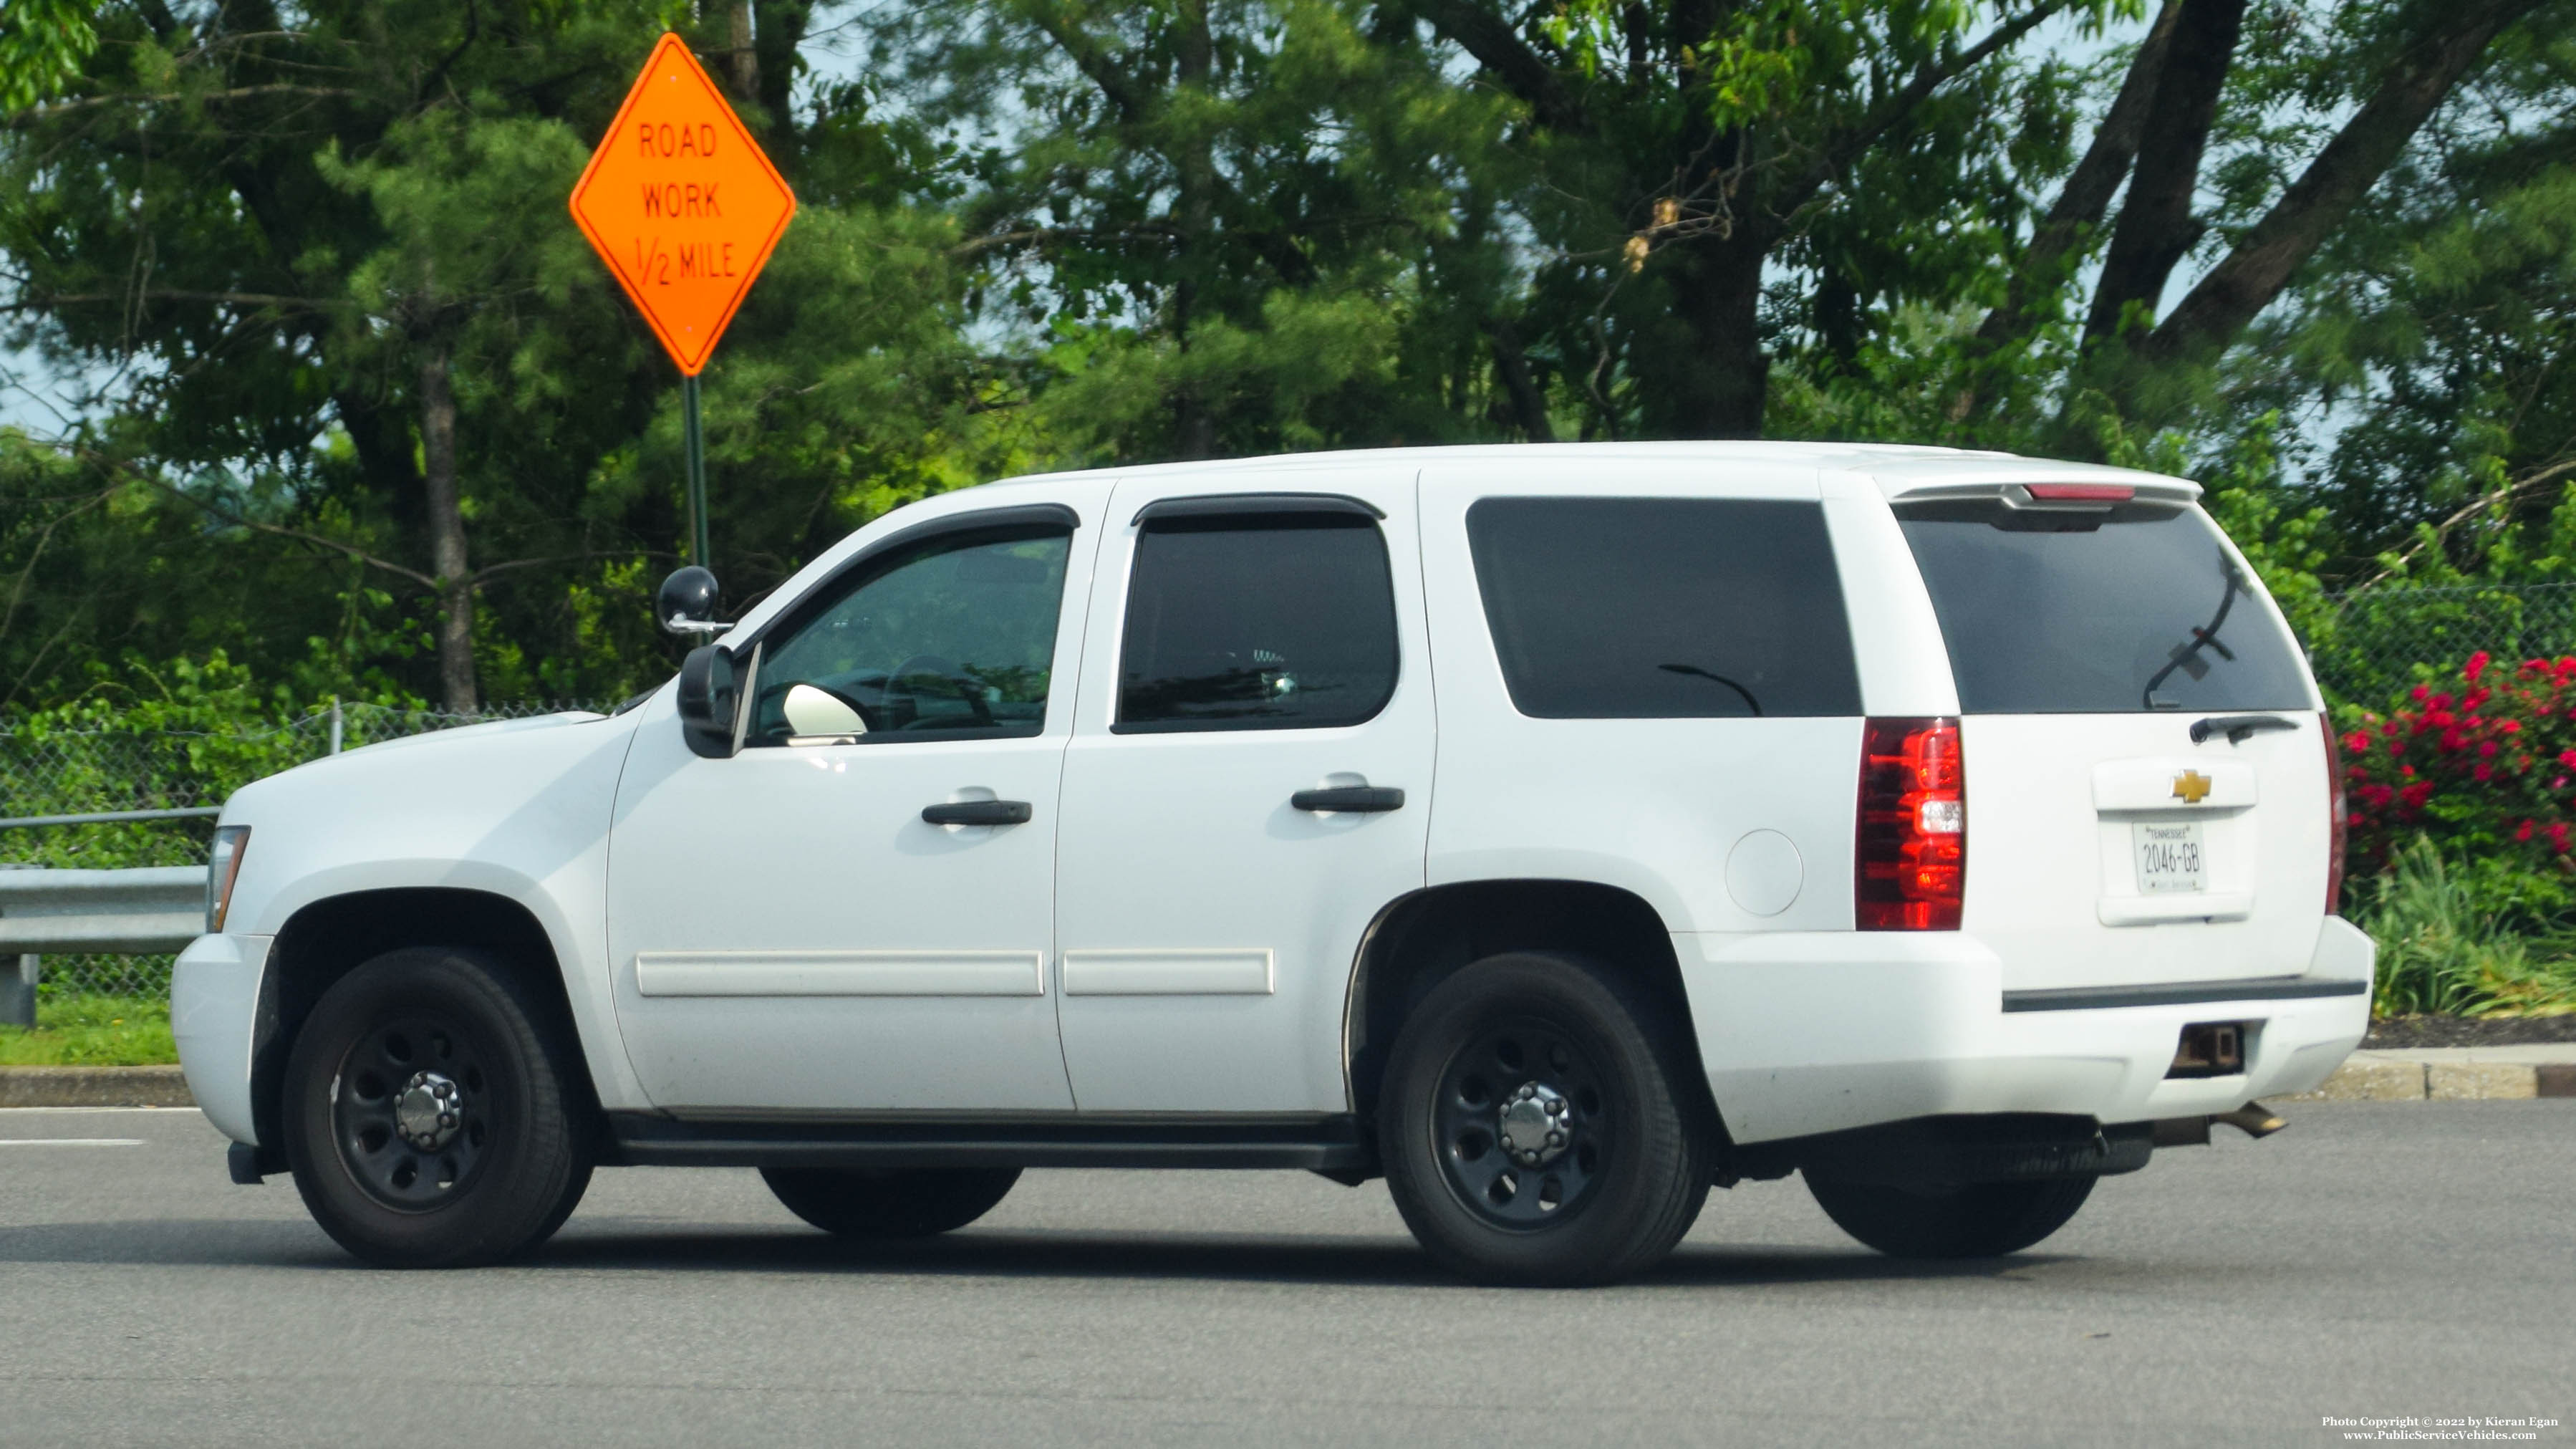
2191	787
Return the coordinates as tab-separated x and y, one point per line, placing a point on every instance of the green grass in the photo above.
92	1031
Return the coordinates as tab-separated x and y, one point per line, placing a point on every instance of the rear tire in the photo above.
1966	1220
1554	1048
867	1203
432	1118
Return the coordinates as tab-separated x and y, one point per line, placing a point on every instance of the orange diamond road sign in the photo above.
682	204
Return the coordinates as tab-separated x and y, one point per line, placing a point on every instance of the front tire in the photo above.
431	1121
1965	1220
872	1204
1536	1131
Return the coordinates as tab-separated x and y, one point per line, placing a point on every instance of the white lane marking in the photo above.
5	1111
71	1141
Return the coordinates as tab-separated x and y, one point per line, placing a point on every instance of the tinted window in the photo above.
952	637
1664	608
1237	623
2140	609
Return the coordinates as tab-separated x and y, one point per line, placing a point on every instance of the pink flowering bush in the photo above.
2485	768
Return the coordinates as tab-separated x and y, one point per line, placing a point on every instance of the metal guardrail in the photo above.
160	908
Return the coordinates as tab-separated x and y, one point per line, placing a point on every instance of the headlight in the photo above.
222	865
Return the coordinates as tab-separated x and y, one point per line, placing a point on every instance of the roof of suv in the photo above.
1899	469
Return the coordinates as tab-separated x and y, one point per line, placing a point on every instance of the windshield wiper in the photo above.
2186	656
1749	701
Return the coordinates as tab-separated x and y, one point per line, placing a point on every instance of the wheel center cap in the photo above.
429	1112
1537	1124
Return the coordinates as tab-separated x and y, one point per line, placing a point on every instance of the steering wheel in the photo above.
899	687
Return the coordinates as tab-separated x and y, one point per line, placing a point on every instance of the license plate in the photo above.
2169	858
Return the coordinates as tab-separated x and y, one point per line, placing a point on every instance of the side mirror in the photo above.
710	701
686	603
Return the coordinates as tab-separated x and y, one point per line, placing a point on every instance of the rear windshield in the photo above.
1664	608
2086	613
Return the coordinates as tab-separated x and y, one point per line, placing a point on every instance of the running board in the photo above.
1331	1144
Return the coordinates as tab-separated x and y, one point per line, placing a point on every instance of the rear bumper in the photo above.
214	1012
1808	1032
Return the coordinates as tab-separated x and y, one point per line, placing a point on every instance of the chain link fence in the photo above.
47	772
2378	643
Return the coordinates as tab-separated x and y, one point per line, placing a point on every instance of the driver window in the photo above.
950	639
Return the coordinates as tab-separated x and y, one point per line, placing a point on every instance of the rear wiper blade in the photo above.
2186	655
2238	727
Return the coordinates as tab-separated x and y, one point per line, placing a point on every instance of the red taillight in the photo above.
2080	492
2335	804
1913	857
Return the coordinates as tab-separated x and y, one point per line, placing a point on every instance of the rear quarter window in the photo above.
2138	609
1664	608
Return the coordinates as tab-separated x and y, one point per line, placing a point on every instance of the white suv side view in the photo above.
1556	831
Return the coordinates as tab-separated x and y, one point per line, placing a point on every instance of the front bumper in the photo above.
1809	1032
214	1013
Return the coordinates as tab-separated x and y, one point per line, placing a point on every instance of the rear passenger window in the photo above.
1241	622
1664	608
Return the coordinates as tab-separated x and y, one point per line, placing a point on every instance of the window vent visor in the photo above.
1912	865
1238	505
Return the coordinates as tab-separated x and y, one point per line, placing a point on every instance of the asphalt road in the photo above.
2374	1260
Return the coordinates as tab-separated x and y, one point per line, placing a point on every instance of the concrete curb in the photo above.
94	1087
2451	1074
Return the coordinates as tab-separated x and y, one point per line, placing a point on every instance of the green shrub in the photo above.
2462	942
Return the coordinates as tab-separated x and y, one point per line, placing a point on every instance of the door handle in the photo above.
977	812
1350	799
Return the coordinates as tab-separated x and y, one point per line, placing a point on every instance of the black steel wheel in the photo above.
1955	1220
1535	1129
410	1111
431	1119
917	1202
1523	1124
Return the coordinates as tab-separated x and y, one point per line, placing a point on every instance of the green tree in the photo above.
357	330
1223	228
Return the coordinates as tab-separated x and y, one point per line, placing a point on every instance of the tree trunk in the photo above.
1195	161
744	61
2226	301
781	28
2156	225
1528	402
1715	383
2081	205
446	532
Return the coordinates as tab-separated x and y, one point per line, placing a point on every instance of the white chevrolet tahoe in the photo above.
1556	831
